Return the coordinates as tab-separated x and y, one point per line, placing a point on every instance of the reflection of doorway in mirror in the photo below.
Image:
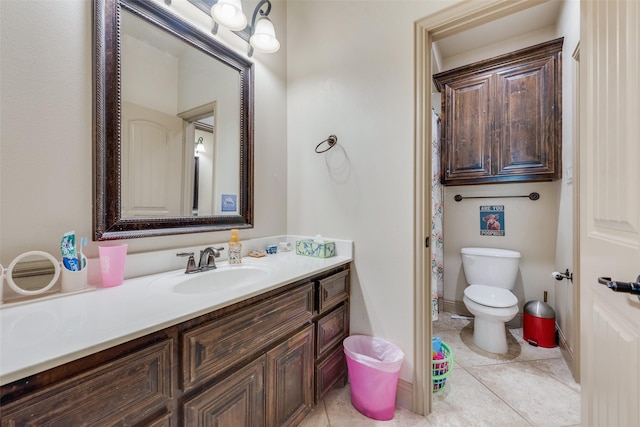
200	155
205	160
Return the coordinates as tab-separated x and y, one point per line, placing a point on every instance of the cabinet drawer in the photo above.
331	329
121	392
210	349
333	290
330	372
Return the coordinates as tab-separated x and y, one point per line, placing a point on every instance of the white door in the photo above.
609	211
152	163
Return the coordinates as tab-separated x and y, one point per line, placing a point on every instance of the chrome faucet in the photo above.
207	260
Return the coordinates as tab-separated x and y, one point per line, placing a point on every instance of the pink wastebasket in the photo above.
374	367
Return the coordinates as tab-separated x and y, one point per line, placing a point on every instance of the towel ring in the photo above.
331	141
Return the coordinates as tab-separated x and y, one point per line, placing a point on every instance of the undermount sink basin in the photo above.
219	280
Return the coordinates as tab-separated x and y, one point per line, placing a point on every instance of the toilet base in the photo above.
490	335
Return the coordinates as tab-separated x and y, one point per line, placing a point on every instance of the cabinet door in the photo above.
236	401
125	391
331	371
526	121
467	129
332	329
290	380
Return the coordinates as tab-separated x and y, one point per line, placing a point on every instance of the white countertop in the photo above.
43	334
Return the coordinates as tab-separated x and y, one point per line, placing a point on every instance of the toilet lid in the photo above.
490	296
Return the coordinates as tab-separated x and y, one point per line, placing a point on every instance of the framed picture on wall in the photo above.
492	219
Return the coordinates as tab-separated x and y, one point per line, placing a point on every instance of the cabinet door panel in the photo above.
236	401
217	346
502	117
331	371
165	420
333	290
125	391
526	119
331	329
290	380
467	128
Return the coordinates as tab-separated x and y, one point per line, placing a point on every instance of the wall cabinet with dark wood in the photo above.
502	118
263	361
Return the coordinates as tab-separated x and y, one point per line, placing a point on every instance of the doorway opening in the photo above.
446	23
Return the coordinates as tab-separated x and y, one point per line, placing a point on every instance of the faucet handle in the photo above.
191	262
211	259
216	251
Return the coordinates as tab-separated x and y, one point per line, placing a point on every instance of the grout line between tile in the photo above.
500	398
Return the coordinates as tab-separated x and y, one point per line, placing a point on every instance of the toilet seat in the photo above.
490	296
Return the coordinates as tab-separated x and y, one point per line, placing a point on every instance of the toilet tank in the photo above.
490	266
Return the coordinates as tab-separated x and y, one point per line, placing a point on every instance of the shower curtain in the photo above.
437	241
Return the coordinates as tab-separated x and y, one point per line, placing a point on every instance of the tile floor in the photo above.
528	386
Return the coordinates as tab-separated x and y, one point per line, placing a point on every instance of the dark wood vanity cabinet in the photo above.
268	348
502	118
134	389
264	361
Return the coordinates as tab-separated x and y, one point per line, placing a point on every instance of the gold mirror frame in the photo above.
108	221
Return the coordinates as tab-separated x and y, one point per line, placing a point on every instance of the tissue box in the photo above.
315	249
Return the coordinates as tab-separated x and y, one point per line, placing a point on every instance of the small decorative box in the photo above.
315	249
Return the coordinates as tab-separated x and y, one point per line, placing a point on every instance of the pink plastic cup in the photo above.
112	260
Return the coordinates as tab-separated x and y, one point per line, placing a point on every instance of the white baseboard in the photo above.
567	354
404	395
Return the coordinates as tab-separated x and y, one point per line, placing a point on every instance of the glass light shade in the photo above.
264	37
200	148
228	13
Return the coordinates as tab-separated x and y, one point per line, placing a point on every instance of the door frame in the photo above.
575	367
459	17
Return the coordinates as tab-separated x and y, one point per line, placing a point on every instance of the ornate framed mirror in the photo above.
159	82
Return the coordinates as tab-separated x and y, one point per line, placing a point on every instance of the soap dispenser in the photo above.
235	248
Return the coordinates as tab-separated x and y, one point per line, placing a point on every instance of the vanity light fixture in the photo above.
260	34
228	13
264	38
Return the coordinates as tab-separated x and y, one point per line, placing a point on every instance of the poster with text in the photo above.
492	220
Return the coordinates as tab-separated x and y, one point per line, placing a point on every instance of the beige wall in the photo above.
530	228
45	130
350	73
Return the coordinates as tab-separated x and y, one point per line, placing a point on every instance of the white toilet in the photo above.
491	275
